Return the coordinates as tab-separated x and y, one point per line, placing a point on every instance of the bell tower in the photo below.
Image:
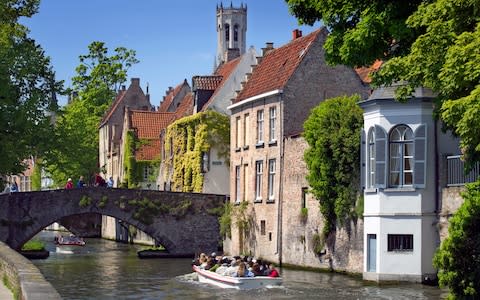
231	31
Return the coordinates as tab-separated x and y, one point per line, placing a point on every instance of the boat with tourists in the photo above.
239	283
69	241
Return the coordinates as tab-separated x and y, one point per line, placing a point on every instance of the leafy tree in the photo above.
333	134
27	89
98	77
427	43
458	257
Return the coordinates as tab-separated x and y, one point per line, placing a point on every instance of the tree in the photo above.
434	44
27	89
98	77
332	132
458	257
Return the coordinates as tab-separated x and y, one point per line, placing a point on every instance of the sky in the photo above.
173	40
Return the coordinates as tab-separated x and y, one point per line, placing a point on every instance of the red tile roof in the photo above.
224	70
364	72
185	108
208	83
277	66
169	98
148	125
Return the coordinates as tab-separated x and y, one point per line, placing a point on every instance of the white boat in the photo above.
239	283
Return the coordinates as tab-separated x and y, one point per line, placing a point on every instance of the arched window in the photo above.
227	32
401	156
371	158
235	33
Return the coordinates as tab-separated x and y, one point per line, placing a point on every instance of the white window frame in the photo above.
258	179
271	179
397	156
371	159
237	132
260	121
272	123
237	184
246	130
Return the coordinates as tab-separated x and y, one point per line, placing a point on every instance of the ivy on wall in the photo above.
133	175
188	139
37	176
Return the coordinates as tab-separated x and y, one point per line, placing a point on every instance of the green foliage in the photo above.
85	201
76	133
304	214
332	132
33	245
27	89
103	202
234	215
190	137
458	258
145	210
37	176
318	243
225	220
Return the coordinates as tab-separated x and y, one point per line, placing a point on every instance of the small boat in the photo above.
70	241
239	283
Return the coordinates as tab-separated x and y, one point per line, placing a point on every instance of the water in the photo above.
108	270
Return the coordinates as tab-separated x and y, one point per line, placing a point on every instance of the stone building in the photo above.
174	97
266	157
111	127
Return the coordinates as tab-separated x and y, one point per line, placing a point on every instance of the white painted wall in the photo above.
217	180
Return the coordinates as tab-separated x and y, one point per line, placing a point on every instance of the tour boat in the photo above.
239	283
70	241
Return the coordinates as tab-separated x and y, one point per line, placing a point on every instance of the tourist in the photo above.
14	187
242	271
80	182
209	264
110	182
272	271
99	181
230	271
69	184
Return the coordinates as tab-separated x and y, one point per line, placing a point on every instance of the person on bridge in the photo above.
69	184
80	182
110	182
14	187
99	181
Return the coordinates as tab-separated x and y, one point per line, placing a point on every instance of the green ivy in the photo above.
190	137
234	215
85	201
37	176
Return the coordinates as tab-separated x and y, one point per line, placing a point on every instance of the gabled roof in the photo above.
277	66
148	125
224	70
364	72
113	107
185	108
209	83
169	98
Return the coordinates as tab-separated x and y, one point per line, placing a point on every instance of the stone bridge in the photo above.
181	222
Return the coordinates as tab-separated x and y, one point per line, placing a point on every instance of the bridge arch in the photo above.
182	222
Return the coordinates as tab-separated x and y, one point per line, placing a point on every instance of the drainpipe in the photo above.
437	175
280	190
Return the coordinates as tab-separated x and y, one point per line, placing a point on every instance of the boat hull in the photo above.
239	283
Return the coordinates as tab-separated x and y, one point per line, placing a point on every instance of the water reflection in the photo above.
108	270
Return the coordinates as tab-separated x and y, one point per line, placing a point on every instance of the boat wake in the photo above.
63	251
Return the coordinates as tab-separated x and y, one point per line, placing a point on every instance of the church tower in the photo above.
231	32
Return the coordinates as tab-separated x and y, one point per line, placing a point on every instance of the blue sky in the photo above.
173	39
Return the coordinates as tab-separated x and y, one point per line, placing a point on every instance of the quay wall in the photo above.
23	277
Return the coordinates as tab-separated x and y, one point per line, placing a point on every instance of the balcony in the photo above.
456	172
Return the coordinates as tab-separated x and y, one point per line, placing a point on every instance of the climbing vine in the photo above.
234	215
332	132
187	140
37	176
134	168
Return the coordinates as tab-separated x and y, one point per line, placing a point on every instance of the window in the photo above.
271	179
273	118
235	33
262	227
147	172
205	162
371	159
304	197
246	130
400	242
237	132
260	126
245	190
227	32
25	184
237	184
258	180
401	156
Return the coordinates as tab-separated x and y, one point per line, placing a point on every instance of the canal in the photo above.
107	270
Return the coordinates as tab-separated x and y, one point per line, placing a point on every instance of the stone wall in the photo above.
451	201
23	277
346	252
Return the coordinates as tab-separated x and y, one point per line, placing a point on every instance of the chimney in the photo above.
231	54
296	34
135	81
268	48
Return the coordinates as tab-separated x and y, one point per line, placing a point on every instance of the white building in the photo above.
403	146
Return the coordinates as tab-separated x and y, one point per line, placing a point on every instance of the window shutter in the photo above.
380	157
420	156
362	159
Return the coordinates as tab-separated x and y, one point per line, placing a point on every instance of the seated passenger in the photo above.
272	271
202	260
230	271
242	271
209	264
